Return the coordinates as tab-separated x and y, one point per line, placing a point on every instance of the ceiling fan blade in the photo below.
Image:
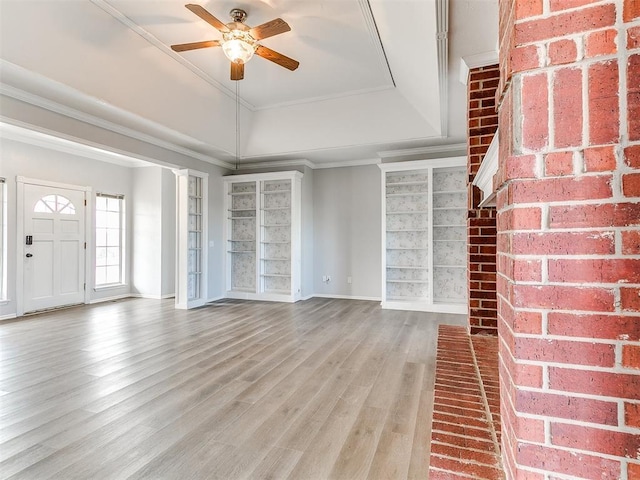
207	17
269	29
237	71
276	57
183	47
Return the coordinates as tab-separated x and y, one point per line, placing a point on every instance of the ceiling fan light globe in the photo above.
238	46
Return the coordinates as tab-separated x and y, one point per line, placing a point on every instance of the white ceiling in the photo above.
375	76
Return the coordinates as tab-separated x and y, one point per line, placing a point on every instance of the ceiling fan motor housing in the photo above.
238	15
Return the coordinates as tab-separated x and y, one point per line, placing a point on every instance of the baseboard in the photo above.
346	297
9	316
318	295
152	297
110	299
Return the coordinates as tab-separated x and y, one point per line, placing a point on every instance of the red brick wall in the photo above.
465	430
568	238
481	222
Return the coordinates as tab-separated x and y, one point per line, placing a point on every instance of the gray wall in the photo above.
153	207
217	217
308	232
168	254
146	212
20	159
347	231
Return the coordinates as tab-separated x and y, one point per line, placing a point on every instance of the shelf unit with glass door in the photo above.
191	265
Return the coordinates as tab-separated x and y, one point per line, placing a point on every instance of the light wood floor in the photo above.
135	389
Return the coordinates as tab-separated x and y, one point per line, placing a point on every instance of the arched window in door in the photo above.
55	204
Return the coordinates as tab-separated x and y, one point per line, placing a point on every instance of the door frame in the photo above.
20	252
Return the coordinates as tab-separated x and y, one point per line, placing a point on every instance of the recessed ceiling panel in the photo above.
335	42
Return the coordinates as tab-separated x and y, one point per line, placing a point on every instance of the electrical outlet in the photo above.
328	278
349	280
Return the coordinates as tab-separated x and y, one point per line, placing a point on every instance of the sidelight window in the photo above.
109	239
3	240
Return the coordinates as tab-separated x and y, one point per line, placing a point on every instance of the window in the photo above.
3	241
109	239
55	204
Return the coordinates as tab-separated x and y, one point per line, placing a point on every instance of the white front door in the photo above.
54	247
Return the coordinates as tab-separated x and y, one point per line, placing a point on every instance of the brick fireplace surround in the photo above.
568	249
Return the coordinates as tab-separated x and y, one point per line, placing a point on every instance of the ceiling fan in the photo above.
239	41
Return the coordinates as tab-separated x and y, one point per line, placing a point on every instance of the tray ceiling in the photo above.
374	75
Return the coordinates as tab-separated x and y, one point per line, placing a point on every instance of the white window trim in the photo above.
123	279
3	242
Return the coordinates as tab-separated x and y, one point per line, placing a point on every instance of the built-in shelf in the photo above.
271	269
406	184
413	211
271	192
408	194
408	281
404	267
398	298
448	192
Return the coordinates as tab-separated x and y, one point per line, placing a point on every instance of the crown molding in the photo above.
442	41
308	163
456	148
83	99
349	163
376	42
475	61
21	132
324	98
277	163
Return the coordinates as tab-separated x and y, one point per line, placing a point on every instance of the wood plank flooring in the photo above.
234	390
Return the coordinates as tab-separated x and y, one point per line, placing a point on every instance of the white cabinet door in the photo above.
54	247
191	242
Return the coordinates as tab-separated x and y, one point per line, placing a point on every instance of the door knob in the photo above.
29	255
